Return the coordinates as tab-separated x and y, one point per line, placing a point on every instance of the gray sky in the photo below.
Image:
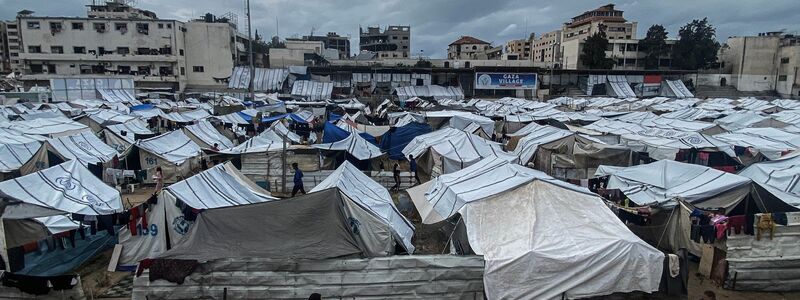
436	23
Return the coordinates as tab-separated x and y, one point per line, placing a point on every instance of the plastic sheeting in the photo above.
332	133
13	155
217	187
312	90
678	89
47	127
518	217
84	147
65	188
779	177
663	182
131	129
264	142
174	146
372	196
206	136
265	80
187	116
354	145
398	138
770	142
458	149
620	86
431	91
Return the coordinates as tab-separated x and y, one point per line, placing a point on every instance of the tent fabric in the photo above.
355	145
14	156
371	196
312	90
518	217
265	80
663	182
116	139
232	118
187	116
332	133
463	121
46	127
770	142
84	147
117	95
65	188
537	135
678	89
264	142
432	91
174	146
311	226
149	113
457	148
398	138
57	224
779	177
109	117
215	188
206	135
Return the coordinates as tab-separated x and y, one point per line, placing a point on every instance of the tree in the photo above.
654	45
593	55
697	46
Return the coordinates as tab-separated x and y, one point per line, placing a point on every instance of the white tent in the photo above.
663	182
187	116
354	145
452	150
312	90
175	152
205	135
770	142
47	127
779	177
122	136
84	147
65	188
373	197
264	142
542	238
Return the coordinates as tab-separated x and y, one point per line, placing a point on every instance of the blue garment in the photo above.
298	177
413	165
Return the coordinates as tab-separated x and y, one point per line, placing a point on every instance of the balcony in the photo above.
91	57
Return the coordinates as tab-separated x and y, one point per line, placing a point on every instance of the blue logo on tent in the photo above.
66	182
353	224
92	200
181	225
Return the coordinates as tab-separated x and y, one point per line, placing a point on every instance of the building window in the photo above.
143	28
100	27
180	51
123	69
782	78
165	51
56	26
405	38
34	49
56	49
143	70
165	71
121	27
198	69
123	50
160	26
183	71
36	69
394	37
77	26
169	26
33	25
784	60
79	50
143	51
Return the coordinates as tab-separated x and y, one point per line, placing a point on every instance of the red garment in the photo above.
144	264
736	223
134	218
703	155
143	214
721	230
31	247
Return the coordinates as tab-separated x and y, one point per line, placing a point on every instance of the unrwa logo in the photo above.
181	225
66	182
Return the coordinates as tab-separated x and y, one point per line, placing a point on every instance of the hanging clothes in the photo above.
765	223
780	218
735	224
708	233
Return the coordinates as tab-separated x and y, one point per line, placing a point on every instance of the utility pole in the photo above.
250	54
283	162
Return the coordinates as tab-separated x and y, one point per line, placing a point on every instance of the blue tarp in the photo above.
291	117
332	117
54	262
141	107
397	138
331	133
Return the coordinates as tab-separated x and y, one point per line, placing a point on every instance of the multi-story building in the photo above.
12	43
5	66
575	32
521	48
331	41
467	47
393	42
547	48
769	61
118	39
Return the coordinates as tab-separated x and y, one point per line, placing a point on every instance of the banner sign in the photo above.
505	81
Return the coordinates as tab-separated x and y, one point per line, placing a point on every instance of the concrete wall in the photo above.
752	62
790	87
208	45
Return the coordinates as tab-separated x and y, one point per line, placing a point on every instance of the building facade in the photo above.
522	49
5	64
575	32
392	43
467	47
769	61
330	41
117	39
547	48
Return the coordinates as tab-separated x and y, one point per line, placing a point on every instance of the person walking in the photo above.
159	179
298	180
396	174
413	163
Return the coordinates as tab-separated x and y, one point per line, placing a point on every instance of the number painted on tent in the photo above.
151	230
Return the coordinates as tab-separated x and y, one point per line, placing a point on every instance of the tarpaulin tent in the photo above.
354	145
122	136
744	119
187	116
16	149
220	186
398	138
432	91
266	141
205	135
770	142
85	147
325	224
780	177
264	79
99	118
47	127
173	151
332	133
312	90
518	218
448	150
371	196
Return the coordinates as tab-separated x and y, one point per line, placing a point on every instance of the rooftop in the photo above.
468	40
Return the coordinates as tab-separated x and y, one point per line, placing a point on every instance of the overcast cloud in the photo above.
436	23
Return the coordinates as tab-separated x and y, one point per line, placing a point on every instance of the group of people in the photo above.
298	176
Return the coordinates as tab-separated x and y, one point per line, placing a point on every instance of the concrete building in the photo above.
547	48
575	32
12	43
117	39
5	66
521	48
769	61
392	43
331	41
467	47
296	53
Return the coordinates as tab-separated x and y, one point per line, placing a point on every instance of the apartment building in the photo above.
467	47
522	49
547	48
12	43
768	61
392	43
5	66
579	28
332	40
117	39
